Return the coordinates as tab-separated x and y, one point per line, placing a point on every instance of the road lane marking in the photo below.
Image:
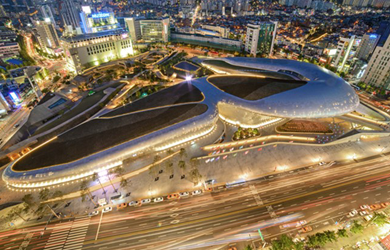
235	212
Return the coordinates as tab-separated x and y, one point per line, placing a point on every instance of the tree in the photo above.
379	219
182	166
312	241
356	227
44	194
330	235
169	167
95	177
342	233
56	78
248	247
124	183
195	176
85	191
194	163
183	153
109	173
285	243
29	200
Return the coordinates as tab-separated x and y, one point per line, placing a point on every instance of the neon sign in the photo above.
100	15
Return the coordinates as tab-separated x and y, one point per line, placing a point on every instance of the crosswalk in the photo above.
70	236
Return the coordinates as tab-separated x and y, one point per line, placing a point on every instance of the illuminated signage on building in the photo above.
100	15
14	97
373	36
125	35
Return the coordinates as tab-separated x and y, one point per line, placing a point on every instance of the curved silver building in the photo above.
247	92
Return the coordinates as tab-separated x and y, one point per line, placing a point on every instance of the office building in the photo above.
47	36
8	44
378	69
47	14
69	10
346	50
221	31
88	50
98	21
367	46
260	38
148	30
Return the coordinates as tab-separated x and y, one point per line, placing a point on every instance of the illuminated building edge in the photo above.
308	101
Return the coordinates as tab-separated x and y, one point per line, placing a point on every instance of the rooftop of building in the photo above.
88	36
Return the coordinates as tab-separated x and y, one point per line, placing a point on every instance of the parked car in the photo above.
158	199
385	204
145	201
363	213
122	205
184	194
322	163
196	192
375	206
306	229
353	213
368	217
93	213
134	203
107	209
362	207
173	196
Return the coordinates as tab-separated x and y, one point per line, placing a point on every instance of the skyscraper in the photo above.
378	69
47	13
70	14
260	38
47	36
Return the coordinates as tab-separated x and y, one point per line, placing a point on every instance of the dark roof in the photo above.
94	35
233	68
350	133
252	87
100	134
46	97
180	93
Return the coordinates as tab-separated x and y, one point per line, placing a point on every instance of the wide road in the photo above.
321	196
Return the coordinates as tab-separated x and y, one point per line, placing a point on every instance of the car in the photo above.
385	204
362	207
16	126
158	199
134	203
375	206
173	196
293	224
68	204
368	217
145	201
107	209
122	205
128	194
306	229
363	213
184	194
196	192
93	213
353	213
321	163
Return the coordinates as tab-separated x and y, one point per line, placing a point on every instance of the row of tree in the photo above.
193	174
322	238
